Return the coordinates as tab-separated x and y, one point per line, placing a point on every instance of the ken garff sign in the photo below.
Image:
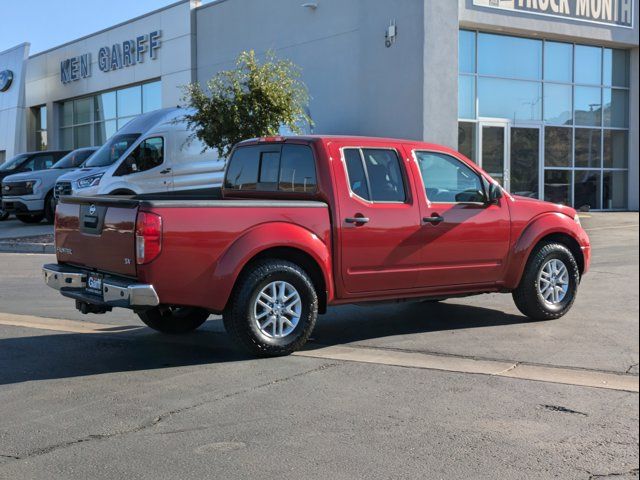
6	77
607	12
115	57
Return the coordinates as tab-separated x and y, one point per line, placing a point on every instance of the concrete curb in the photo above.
19	247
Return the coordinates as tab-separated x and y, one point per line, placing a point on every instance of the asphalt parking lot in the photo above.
390	391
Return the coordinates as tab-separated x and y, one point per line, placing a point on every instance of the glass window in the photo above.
384	174
557	186
557	146
104	131
448	180
512	99
493	148
588	65
615	67
587	189
149	154
467	140
82	110
66	113
42	162
82	136
355	170
242	172
73	159
525	160
41	123
466	96
558	104
512	57
587	146
297	169
616	149
151	97
615	190
588	106
112	150
269	168
41	140
466	52
558	62
129	102
616	107
105	106
66	138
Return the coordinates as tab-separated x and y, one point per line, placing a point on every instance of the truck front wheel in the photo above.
273	309
174	320
549	283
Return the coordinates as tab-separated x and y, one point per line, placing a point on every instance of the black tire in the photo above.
30	218
49	208
527	297
239	318
174	320
3	215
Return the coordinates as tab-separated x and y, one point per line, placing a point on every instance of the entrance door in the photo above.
511	155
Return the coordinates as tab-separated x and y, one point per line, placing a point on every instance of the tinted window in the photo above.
13	163
374	174
287	168
112	150
149	154
447	179
42	162
297	169
73	159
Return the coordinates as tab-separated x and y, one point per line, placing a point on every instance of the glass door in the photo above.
493	151
525	144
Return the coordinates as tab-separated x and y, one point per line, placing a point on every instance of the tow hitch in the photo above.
86	307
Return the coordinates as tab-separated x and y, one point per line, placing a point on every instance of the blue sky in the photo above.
48	23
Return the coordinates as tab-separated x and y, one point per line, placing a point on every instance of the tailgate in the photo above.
97	232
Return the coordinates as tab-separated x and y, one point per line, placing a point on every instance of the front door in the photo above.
511	155
379	234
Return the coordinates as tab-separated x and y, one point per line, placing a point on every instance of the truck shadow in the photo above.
126	349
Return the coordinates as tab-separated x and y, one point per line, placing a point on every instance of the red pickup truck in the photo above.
304	223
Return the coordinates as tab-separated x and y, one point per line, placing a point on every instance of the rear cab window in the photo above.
272	168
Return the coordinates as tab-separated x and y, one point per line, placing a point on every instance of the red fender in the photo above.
540	227
261	238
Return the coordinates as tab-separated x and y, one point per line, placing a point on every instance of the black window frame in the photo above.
124	167
270	187
403	174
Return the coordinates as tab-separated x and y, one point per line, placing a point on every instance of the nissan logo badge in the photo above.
92	209
6	77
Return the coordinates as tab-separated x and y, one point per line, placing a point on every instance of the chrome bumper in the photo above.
116	292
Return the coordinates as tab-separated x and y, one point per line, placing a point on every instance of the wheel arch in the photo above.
279	241
554	227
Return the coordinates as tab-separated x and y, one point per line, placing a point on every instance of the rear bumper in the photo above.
116	291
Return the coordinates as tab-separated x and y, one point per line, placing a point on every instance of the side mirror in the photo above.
494	194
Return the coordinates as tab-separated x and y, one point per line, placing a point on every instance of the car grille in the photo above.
15	189
62	188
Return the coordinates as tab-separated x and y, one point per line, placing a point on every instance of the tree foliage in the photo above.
255	99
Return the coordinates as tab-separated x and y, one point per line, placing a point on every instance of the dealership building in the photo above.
543	94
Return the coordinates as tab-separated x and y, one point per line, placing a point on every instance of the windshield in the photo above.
73	159
112	150
13	163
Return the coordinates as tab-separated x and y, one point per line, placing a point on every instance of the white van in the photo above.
153	153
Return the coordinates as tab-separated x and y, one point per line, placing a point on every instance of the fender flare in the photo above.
540	227
259	239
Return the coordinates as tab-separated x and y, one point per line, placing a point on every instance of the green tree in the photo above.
255	99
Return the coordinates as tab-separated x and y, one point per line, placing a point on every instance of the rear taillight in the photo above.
148	237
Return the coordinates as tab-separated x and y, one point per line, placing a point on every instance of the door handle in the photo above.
434	219
357	220
165	171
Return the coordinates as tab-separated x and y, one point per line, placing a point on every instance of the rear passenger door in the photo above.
379	231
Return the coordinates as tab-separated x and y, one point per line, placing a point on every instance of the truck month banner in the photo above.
608	12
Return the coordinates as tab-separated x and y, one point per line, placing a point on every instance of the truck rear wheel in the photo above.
549	283
273	309
174	320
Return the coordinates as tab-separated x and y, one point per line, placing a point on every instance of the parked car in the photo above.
27	162
155	152
310	222
30	194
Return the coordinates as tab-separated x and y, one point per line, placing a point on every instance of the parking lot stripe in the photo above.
450	363
380	356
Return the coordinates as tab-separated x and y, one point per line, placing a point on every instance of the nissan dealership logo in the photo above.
6	77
